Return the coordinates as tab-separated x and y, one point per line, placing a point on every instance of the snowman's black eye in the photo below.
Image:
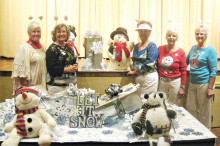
161	95
29	120
146	96
30	129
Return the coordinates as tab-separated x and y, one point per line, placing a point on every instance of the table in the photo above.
118	131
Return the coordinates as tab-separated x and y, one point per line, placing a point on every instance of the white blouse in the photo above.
29	63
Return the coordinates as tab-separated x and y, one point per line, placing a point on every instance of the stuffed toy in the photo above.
72	38
119	53
29	120
155	119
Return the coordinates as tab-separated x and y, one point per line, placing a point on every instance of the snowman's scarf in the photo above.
145	108
118	51
20	122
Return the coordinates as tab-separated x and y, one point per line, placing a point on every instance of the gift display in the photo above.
93	51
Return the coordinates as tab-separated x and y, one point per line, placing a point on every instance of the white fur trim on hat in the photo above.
144	26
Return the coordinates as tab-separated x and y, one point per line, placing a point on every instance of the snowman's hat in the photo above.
120	30
24	89
72	29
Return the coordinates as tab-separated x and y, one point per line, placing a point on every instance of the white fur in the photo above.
157	116
125	62
41	121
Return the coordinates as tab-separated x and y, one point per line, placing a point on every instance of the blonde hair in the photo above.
144	22
202	27
173	29
57	27
32	25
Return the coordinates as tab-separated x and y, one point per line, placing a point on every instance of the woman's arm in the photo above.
183	71
212	64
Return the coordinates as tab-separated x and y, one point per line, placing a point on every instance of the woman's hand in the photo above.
181	92
210	93
133	72
71	68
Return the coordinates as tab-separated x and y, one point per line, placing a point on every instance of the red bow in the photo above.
118	51
71	44
34	44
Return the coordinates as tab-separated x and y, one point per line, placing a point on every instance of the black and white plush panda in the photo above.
154	118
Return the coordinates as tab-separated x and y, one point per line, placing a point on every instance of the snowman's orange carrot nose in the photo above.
24	95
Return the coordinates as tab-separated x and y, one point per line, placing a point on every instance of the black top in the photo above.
58	57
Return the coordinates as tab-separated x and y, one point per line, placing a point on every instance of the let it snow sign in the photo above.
86	118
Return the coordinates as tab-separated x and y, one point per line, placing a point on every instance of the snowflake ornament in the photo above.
97	47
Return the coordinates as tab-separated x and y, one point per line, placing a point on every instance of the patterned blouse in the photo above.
58	57
146	59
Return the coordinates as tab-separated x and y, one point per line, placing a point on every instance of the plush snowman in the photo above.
29	120
118	52
72	38
154	119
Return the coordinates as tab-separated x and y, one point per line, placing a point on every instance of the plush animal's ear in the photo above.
161	95
146	96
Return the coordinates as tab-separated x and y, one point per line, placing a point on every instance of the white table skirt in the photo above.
115	129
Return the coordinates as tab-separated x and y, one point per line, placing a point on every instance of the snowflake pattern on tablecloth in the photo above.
107	132
188	130
131	135
61	120
184	133
180	112
197	133
8	118
73	132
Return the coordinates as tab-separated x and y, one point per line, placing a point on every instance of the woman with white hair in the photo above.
29	67
144	58
203	68
172	67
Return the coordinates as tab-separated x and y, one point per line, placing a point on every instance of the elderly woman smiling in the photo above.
29	67
203	68
60	59
172	67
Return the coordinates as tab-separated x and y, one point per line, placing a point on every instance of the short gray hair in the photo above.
33	25
202	27
174	29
